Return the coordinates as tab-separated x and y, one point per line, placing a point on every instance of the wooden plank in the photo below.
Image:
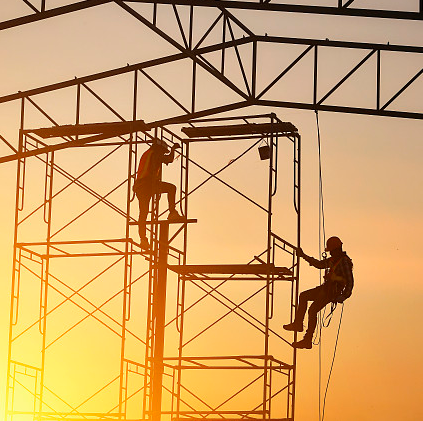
239	129
261	269
92	128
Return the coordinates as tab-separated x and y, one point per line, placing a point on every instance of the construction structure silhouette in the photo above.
163	389
120	333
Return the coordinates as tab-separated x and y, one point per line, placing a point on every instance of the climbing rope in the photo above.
322	235
322	319
321	204
333	360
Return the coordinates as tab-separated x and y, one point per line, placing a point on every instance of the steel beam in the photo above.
122	70
275	6
56	11
256	99
272	6
340	109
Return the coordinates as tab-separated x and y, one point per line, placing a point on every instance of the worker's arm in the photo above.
320	264
167	159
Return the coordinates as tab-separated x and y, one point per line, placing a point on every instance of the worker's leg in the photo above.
144	197
305	297
144	205
318	304
170	189
320	298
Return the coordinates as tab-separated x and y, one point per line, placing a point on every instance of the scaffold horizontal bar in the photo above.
229	367
233	138
243	358
82	142
103	248
261	269
168	222
64	242
25	365
111	254
240	129
71	416
245	417
235	412
278	367
139	364
194	278
91	128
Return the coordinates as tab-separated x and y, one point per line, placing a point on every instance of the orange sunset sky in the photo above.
372	180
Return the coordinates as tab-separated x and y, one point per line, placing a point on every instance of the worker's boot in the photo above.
174	216
145	245
305	343
295	327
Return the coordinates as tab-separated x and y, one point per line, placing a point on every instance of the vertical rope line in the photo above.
322	232
322	236
333	360
321	204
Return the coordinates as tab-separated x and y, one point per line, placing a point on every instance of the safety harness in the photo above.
332	276
339	283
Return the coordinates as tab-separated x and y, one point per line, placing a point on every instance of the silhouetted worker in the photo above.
337	287
148	183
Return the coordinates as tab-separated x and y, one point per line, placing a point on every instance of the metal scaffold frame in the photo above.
156	367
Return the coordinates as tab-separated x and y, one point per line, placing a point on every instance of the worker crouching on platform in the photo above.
148	183
336	288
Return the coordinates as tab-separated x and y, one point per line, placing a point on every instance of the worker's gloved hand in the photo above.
300	252
176	146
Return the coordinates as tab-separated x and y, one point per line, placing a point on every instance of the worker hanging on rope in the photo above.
337	287
148	183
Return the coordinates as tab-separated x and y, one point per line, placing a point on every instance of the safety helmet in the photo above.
333	243
159	145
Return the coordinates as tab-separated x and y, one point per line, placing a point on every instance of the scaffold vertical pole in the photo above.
271	177
159	304
45	268
181	279
297	186
14	302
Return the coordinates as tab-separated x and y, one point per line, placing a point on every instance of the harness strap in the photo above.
331	276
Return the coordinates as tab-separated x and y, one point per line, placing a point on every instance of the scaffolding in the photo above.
102	341
102	330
